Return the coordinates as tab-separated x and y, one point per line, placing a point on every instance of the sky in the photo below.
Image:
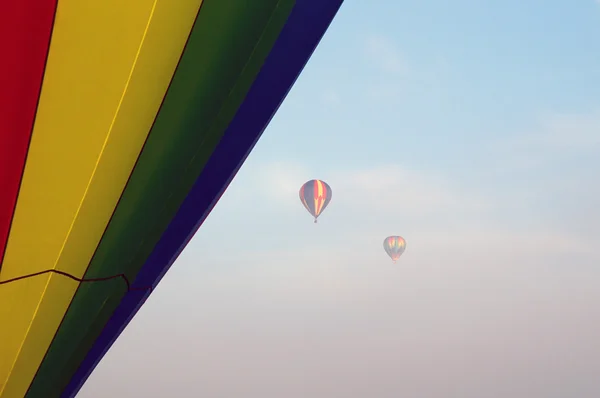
471	128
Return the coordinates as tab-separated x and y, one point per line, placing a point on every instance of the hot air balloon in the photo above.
121	124
394	246
315	195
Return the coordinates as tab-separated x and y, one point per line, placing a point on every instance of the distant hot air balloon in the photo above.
394	246
315	195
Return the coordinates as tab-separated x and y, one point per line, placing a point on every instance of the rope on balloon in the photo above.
55	271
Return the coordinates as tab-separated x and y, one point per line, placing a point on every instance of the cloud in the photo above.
567	131
552	139
383	53
433	212
546	175
358	268
381	189
392	188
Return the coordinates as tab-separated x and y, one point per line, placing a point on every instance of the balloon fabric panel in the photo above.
223	55
303	30
100	164
95	81
25	29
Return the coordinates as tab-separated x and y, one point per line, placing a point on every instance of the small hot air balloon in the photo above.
394	246
315	195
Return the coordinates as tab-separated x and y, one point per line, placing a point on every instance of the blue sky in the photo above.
471	128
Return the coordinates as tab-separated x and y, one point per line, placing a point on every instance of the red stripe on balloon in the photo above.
25	31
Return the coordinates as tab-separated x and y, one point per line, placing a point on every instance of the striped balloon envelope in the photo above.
315	195
121	124
394	246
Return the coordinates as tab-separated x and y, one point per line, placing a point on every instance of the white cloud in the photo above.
474	249
392	188
381	189
384	54
567	131
432	212
553	137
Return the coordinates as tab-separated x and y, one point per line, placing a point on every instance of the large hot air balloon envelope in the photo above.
315	195
121	124
394	246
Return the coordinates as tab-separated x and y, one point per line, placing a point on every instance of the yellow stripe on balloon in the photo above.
109	66
319	197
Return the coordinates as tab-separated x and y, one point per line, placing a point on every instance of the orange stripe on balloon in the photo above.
25	31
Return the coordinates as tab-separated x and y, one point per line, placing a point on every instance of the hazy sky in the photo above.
471	128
